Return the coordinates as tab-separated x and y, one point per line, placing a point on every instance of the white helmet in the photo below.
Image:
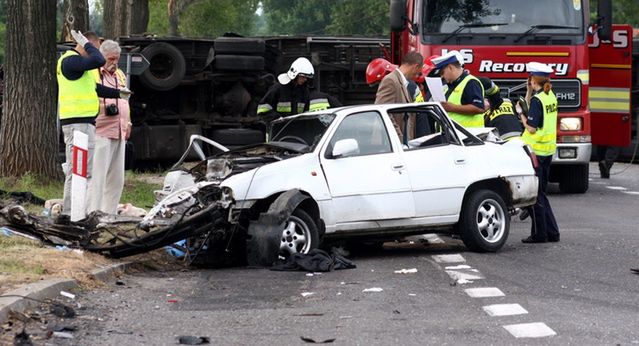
301	66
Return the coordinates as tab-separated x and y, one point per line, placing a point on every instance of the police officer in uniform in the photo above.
500	112
465	95
541	134
291	95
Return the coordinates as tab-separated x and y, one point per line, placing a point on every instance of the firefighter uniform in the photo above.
500	112
542	115
291	95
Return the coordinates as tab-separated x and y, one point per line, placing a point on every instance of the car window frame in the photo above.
328	147
435	108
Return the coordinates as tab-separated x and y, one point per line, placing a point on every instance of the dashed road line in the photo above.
484	292
618	188
504	310
529	330
452	258
635	193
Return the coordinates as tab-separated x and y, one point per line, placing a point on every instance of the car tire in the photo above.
298	224
238	45
484	221
239	63
574	179
237	137
167	67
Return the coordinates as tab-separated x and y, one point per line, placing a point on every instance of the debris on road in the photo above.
193	340
311	341
62	335
406	271
373	289
67	294
306	294
315	261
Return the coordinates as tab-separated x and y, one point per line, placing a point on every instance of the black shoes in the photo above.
524	214
532	240
604	170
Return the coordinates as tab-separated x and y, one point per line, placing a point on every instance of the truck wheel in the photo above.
574	179
239	62
237	137
484	222
238	45
167	66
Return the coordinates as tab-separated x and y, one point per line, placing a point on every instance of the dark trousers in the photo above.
544	224
608	154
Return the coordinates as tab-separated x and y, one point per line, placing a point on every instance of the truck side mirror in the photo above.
604	19
398	15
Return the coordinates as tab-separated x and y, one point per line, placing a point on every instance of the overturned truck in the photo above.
322	176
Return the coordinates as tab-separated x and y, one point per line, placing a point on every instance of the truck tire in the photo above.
237	137
167	66
238	45
239	63
574	179
484	222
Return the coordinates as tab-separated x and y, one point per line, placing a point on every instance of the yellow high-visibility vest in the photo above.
544	140
455	96
77	98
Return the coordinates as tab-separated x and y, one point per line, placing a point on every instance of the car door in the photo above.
439	167
370	183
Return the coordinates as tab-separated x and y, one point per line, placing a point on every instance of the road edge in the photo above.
50	289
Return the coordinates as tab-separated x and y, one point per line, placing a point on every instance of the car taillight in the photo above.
531	154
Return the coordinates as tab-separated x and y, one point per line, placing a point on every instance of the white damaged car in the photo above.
345	173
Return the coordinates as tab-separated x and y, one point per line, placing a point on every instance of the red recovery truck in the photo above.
592	78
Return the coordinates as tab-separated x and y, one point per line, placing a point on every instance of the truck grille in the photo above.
568	92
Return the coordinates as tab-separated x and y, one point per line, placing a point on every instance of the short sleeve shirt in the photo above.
473	93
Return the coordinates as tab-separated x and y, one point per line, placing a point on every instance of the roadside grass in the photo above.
23	260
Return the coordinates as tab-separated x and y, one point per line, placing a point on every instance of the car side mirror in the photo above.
345	147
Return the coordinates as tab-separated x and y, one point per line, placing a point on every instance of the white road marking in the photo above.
530	330
454	258
461	266
600	182
504	309
618	188
484	292
631	192
461	275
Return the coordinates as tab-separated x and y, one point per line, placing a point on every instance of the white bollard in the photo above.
79	177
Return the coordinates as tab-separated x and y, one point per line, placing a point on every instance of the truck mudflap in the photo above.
523	189
187	213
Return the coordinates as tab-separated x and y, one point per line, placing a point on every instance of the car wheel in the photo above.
484	221
299	234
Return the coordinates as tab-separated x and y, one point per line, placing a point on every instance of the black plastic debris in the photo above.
311	341
62	310
315	260
193	340
22	339
120	283
635	270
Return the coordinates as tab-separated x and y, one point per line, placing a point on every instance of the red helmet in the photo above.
428	67
377	69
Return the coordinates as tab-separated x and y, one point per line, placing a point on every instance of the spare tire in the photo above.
239	63
238	45
237	137
167	66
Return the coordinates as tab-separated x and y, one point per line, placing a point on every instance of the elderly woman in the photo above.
112	129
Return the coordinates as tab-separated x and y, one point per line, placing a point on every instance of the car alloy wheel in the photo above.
490	221
296	237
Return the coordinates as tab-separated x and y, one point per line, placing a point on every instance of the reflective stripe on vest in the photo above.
544	140
283	107
476	120
505	108
319	104
263	108
77	98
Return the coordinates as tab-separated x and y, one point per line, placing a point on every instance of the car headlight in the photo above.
570	124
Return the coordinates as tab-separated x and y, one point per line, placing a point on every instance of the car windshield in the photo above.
503	16
305	129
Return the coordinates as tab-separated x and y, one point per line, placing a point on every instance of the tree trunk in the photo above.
76	11
175	9
139	16
28	137
117	18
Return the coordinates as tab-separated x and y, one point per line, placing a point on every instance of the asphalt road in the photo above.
579	291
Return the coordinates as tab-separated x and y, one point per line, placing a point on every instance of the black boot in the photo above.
604	170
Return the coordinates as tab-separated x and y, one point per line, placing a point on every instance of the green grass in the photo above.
137	189
10	265
17	267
